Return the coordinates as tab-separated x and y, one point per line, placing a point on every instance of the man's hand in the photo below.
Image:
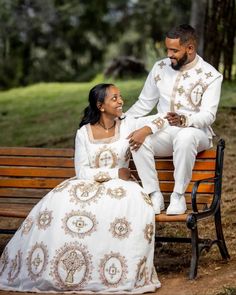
137	137
174	119
124	173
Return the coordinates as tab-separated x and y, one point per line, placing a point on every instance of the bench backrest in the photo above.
27	174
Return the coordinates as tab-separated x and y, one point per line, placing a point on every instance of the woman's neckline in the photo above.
105	139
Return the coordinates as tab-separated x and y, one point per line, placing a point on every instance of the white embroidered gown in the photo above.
91	233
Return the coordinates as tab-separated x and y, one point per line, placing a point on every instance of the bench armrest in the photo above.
194	193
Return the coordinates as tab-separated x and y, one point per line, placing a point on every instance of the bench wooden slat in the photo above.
203	188
31	183
39	171
22	151
23	192
15	210
168	175
168	165
40	162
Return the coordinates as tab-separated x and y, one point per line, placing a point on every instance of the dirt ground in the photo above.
215	276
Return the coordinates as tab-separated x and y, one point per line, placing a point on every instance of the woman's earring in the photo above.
102	110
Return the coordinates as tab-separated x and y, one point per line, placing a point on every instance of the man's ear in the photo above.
191	48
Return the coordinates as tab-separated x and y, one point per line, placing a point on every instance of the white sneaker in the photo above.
158	202
177	204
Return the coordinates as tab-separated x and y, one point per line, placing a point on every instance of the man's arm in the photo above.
148	97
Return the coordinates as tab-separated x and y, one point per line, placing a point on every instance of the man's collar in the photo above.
190	65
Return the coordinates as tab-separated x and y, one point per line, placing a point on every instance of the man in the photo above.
186	91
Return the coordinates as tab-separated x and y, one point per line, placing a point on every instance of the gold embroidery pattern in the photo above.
4	261
159	122
194	95
180	90
113	269
178	105
162	64
60	187
27	225
15	266
117	193
157	78
147	199
105	157
208	75
44	219
198	71
149	232
79	224
37	260
120	228
85	193
186	75
102	176
141	276
71	267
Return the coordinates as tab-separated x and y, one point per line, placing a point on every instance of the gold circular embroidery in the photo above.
26	226
120	228
15	266
117	193
84	193
79	223
71	266
44	219
113	269
105	157
37	260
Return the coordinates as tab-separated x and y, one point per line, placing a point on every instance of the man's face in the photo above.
177	53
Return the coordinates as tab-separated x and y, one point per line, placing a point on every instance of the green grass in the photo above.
49	114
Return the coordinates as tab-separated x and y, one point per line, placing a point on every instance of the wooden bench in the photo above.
27	174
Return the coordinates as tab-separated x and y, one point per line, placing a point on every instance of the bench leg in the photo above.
195	252
220	236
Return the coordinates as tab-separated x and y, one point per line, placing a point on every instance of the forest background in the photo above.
53	51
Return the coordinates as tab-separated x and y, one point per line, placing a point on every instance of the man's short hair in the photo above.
185	33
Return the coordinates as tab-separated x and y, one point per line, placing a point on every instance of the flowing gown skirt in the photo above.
83	237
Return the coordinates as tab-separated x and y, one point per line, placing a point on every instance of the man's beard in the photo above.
180	62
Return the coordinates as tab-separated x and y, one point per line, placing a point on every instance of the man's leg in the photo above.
145	164
186	144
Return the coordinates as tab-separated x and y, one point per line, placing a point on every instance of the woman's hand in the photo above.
124	173
137	137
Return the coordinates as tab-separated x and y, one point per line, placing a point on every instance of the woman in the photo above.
98	235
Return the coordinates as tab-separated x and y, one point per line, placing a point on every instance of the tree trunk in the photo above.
219	34
198	11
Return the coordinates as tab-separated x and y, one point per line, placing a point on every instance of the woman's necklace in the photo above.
104	127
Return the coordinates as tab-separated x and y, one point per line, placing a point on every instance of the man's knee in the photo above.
186	138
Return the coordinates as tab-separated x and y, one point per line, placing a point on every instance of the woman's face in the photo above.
113	102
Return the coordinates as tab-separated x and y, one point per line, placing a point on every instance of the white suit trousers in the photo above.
181	143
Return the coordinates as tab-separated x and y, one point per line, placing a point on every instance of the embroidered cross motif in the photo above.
157	78
186	75
178	105
162	64
37	261
198	71
208	75
180	90
106	158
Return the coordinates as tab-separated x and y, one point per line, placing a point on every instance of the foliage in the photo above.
49	114
72	40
